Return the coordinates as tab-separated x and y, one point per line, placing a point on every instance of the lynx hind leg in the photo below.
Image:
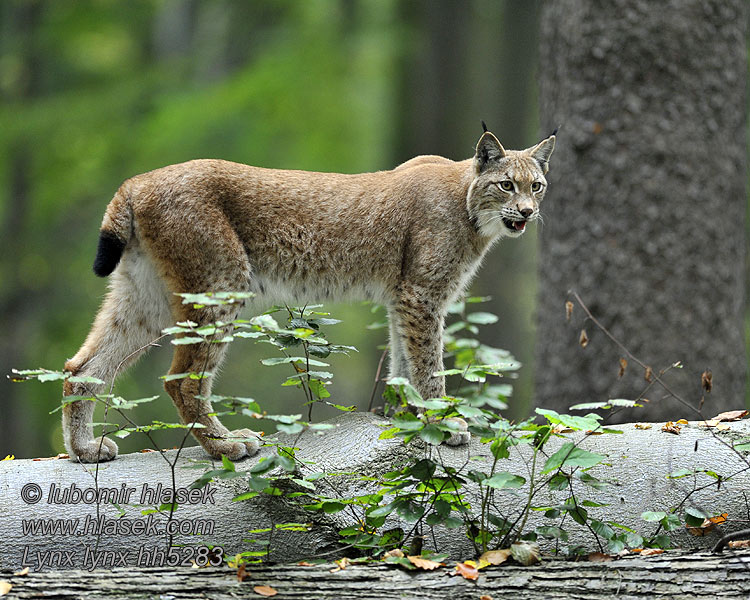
130	318
205	359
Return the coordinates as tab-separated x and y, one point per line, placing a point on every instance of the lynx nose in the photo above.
526	212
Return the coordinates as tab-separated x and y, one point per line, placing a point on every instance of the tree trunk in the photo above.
646	210
669	575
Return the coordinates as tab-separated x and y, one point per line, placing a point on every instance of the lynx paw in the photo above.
97	450
460	437
231	449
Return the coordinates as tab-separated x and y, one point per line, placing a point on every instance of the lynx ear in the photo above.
489	150
542	151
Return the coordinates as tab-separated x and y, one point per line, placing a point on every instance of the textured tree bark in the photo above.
669	575
646	211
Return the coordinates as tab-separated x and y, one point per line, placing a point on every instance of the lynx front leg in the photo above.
419	331
419	326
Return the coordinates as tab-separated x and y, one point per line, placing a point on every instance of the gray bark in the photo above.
637	464
646	211
670	575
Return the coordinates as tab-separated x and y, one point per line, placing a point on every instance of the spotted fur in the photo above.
410	238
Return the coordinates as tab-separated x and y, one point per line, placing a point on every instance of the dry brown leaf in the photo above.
304	563
600	557
241	573
671	427
397	552
648	375
21	573
560	428
643	425
265	590
723	427
5	587
707	379
682	421
730	415
342	564
710	423
526	553
495	557
424	563
58	457
708	525
467	570
583	339
651	551
568	310
739	544
485	597
623	366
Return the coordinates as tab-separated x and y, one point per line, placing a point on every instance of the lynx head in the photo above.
508	186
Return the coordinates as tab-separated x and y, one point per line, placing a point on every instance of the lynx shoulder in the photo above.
410	238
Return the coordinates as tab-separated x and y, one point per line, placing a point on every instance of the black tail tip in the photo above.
108	253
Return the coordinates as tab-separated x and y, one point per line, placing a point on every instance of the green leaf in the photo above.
382	511
602	529
578	514
589	422
652	516
558	482
482	318
245	496
280	360
551	531
228	464
680	473
84	379
389	433
671	522
569	455
504	480
694	517
187	340
423	469
331	506
432	434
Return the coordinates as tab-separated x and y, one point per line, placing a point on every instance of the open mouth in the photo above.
518	226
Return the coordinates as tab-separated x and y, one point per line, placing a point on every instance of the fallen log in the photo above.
673	574
41	497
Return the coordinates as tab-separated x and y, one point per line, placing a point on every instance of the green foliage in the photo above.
423	492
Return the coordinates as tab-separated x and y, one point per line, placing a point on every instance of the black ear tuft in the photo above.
484	127
554	132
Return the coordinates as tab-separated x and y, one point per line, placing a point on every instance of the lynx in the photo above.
411	238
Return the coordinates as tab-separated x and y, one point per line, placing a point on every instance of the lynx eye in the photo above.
506	185
536	186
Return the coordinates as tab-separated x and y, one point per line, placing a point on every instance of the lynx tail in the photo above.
117	228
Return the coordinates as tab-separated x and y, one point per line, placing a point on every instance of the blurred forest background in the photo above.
96	91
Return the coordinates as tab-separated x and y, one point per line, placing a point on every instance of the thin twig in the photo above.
377	379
